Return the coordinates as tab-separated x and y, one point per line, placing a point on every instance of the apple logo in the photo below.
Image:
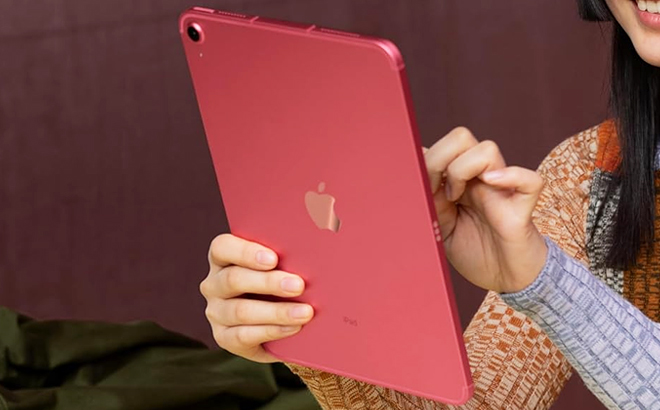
321	208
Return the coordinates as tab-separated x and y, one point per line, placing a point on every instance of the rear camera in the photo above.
194	34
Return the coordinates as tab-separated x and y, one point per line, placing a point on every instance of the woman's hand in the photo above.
485	212
241	325
485	215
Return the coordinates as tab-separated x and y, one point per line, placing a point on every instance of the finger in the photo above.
228	249
246	341
482	157
446	150
425	150
238	312
438	157
235	280
521	180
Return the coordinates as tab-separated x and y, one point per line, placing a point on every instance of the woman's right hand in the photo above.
241	325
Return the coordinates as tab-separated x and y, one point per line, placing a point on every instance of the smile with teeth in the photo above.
650	6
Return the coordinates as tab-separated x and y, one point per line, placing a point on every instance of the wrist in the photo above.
533	258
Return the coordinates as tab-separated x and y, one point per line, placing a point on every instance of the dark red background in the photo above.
107	195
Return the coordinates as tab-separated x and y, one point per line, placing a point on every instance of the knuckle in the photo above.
219	243
242	312
452	172
463	134
242	336
273	281
231	279
206	288
282	314
273	332
220	338
209	313
491	147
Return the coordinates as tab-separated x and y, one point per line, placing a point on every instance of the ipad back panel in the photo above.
316	155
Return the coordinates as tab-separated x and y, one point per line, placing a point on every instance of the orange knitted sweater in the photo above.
514	364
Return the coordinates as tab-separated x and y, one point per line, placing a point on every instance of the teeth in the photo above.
648	5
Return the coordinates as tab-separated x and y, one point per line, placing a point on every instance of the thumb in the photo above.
521	180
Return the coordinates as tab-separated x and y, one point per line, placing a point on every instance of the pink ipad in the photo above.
317	156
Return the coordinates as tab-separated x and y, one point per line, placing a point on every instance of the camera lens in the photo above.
193	33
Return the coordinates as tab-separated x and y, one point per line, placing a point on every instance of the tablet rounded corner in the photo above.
392	52
183	17
192	12
466	395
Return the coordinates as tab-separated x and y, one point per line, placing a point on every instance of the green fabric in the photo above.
70	365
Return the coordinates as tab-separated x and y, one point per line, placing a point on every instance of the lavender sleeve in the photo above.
612	345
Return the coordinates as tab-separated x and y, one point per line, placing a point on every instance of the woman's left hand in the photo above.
485	212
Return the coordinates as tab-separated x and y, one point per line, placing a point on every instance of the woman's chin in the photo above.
648	48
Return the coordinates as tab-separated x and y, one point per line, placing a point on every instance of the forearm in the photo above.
612	345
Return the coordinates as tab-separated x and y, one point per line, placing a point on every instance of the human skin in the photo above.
644	32
478	198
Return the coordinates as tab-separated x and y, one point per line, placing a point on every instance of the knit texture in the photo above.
641	284
603	202
514	363
613	346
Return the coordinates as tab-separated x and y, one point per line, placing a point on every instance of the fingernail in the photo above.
300	312
291	285
289	329
493	175
266	258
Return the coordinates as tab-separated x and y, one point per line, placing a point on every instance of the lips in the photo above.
648	13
